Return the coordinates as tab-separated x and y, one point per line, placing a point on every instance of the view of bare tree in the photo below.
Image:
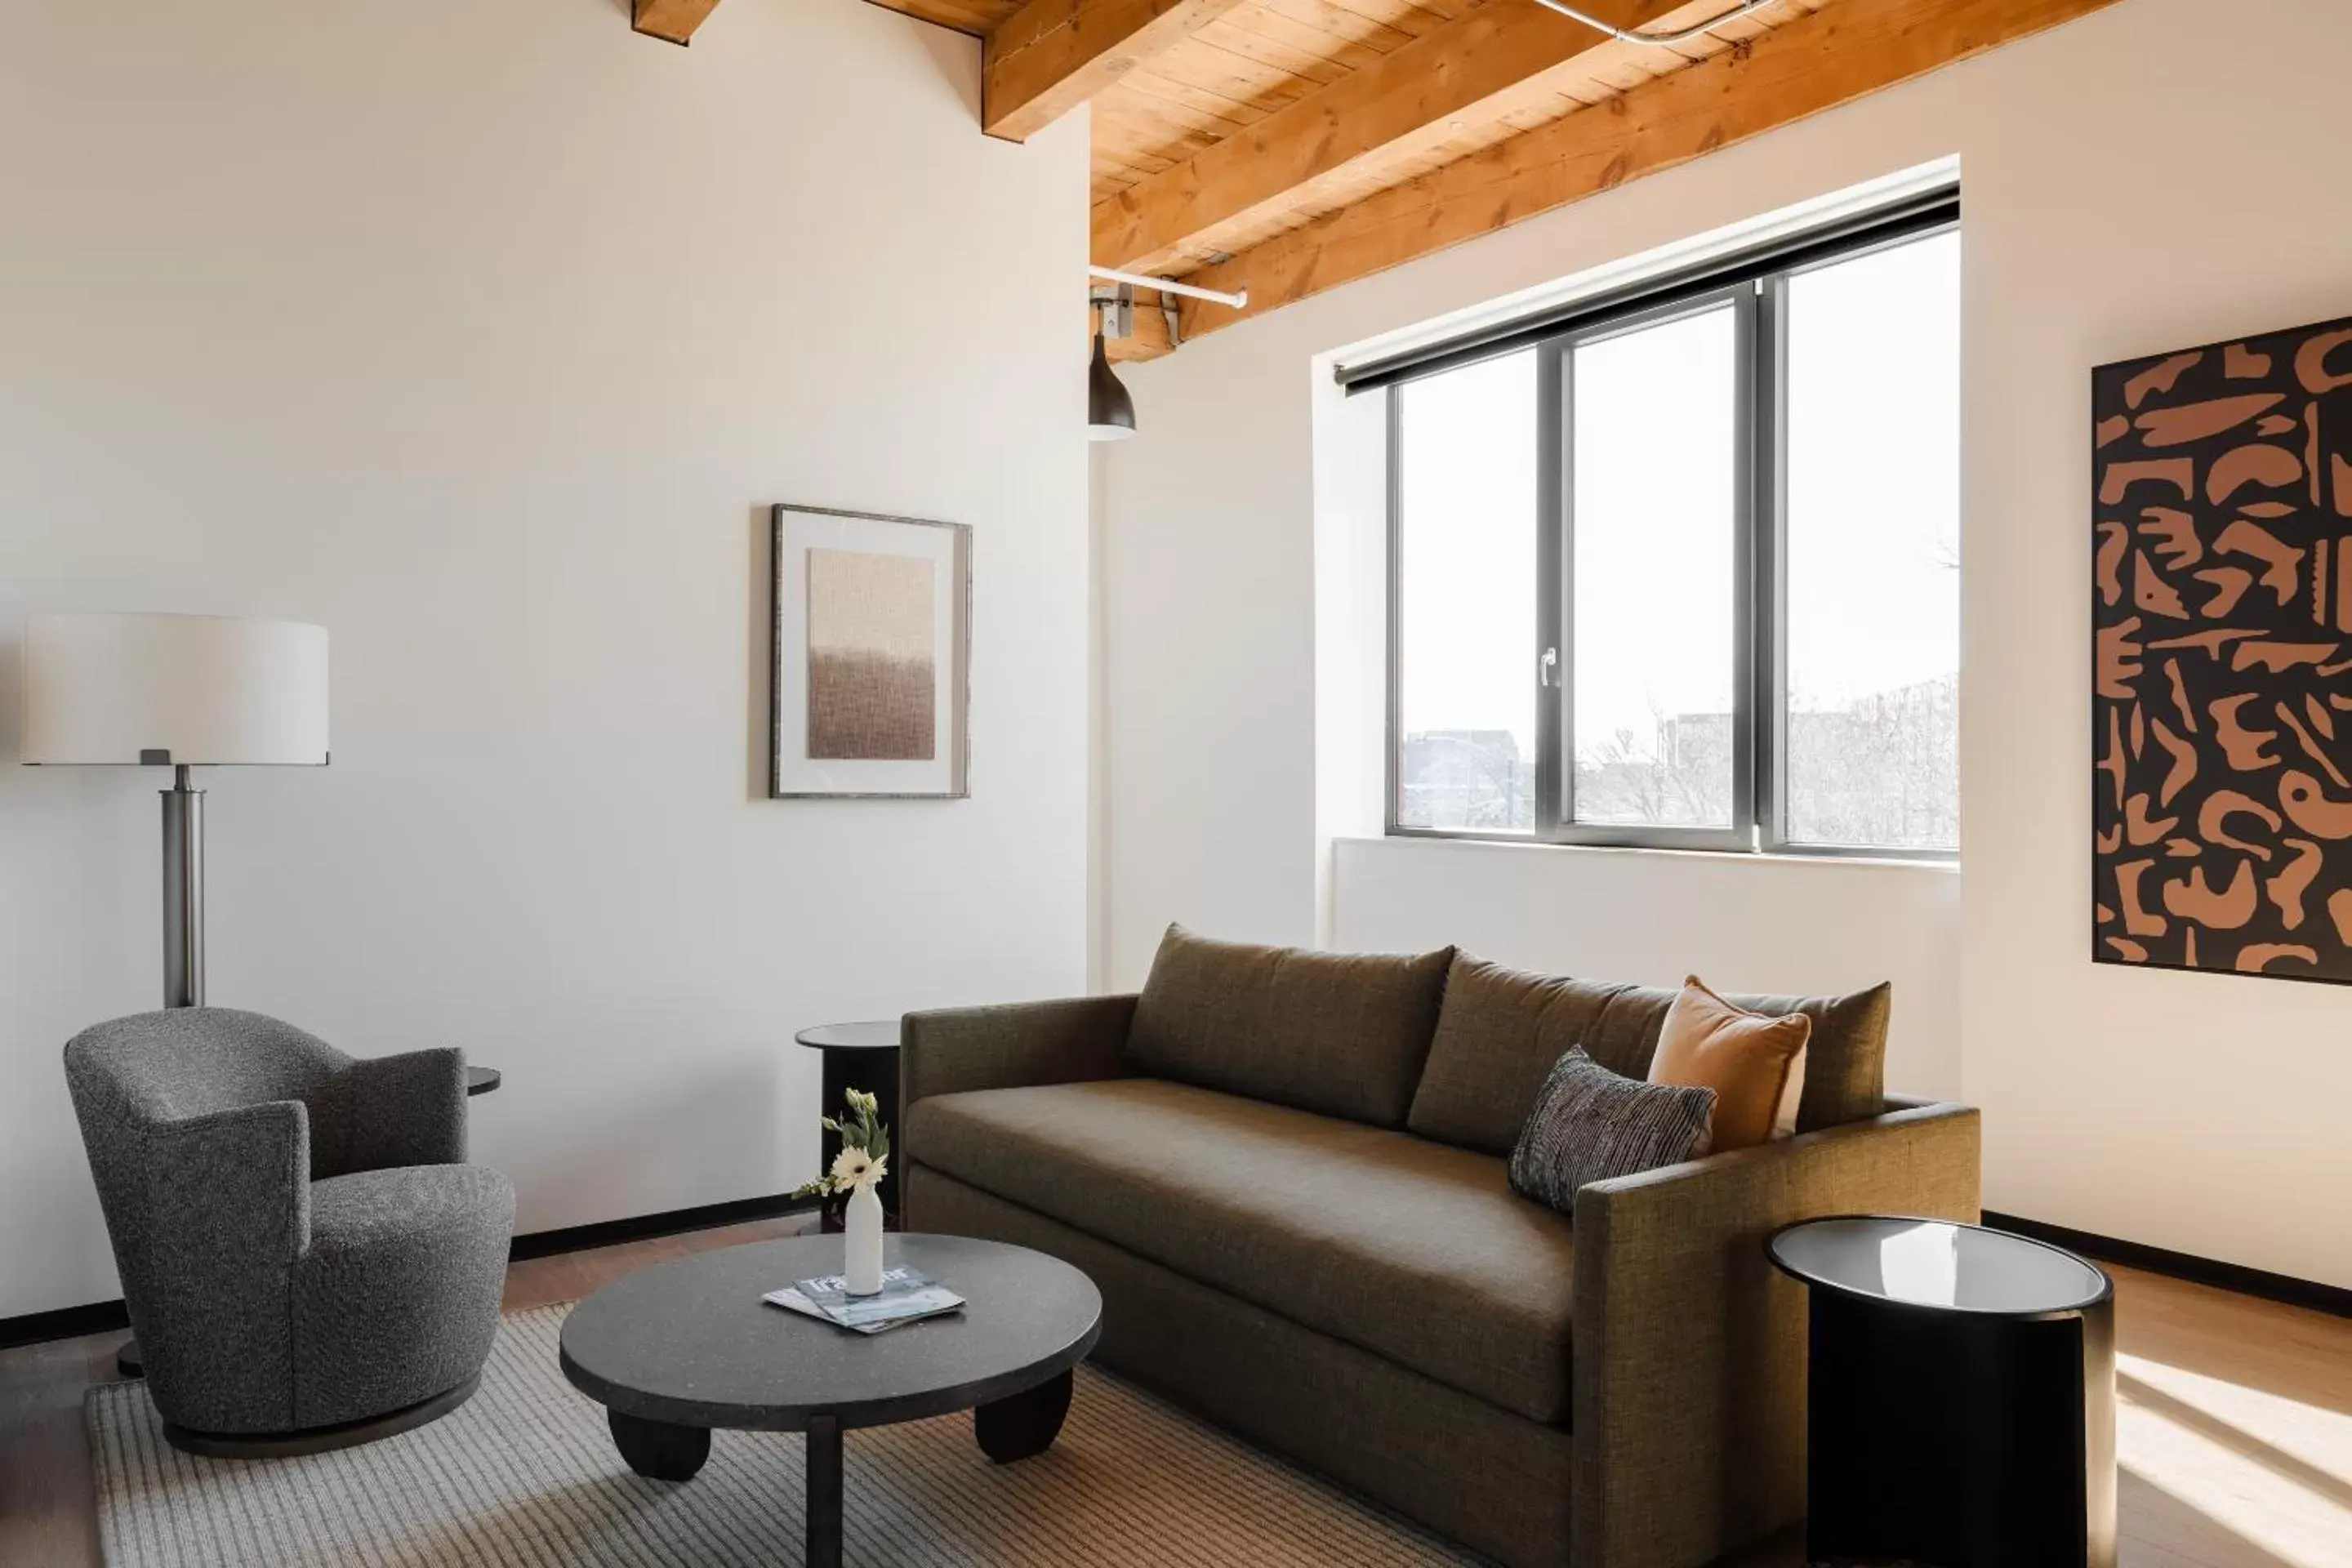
1880	771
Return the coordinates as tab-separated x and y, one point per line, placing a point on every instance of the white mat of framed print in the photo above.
873	643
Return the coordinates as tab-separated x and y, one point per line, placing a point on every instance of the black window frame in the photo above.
1754	287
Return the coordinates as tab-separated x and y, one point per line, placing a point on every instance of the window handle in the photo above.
1545	666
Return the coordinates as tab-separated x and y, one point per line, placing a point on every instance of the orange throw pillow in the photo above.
1754	1062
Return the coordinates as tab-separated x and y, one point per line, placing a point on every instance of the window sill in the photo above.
1511	844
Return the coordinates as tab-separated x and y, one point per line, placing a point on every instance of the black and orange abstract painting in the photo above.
2222	657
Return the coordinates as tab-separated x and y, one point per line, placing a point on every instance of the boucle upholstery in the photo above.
299	1240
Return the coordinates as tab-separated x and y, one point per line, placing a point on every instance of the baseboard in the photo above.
65	1323
107	1317
2245	1281
671	1222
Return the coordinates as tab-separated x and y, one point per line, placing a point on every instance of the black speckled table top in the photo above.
691	1342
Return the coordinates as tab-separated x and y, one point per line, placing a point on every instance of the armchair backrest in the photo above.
185	1062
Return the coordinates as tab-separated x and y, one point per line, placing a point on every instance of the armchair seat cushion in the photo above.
398	1296
1413	1250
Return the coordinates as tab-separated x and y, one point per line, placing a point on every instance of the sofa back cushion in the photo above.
1498	1036
1501	1029
1341	1034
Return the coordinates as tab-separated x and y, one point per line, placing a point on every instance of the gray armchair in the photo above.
308	1260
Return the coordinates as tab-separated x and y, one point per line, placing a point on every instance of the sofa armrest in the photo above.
1010	1046
378	1112
1689	1382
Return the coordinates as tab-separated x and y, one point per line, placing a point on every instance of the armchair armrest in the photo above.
225	1218
232	1185
1024	1043
1689	1381
377	1112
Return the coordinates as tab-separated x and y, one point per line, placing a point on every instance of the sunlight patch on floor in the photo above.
2272	1470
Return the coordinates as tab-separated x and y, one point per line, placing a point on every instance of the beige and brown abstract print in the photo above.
2222	657
872	659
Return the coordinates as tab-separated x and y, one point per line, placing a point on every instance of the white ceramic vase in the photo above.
861	1236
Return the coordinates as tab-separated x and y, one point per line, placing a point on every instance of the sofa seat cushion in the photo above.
1409	1249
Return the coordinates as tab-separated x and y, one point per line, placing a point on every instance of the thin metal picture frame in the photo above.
957	685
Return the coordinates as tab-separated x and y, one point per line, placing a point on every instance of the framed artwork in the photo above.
2222	657
872	650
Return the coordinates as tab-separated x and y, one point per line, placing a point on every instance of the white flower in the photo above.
850	1166
860	1100
856	1168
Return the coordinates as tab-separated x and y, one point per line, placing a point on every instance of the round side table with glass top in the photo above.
1961	1395
862	1057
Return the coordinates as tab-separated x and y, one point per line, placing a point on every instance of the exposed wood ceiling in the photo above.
1290	146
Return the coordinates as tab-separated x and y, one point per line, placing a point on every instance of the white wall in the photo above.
1822	925
2118	203
483	340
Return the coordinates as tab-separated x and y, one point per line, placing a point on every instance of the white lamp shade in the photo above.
189	689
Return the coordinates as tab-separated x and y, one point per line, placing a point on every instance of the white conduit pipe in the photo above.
1653	39
1169	286
1241	300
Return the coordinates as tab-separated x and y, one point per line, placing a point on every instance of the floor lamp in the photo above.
182	692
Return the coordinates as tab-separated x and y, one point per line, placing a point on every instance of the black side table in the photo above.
1961	1397
862	1057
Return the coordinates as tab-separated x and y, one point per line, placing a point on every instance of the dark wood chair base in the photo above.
1025	1424
319	1439
658	1450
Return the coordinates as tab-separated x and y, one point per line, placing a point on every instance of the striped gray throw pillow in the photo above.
1589	1124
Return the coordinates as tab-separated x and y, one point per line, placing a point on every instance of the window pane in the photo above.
1654	472
1873	603
1466	598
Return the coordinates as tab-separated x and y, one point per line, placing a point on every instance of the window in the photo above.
1683	570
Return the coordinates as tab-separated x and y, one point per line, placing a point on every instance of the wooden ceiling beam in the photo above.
1050	56
1499	56
1843	52
672	21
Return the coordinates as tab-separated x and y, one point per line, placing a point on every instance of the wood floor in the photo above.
2235	1420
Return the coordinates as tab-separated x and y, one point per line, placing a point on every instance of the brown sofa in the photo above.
1285	1170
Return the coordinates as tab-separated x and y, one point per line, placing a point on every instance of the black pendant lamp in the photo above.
1111	412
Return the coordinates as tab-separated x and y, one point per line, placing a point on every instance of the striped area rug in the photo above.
524	1475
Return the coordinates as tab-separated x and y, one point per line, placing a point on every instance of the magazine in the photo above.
793	1301
907	1296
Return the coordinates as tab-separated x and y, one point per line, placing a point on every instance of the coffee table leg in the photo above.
824	1492
658	1450
1024	1425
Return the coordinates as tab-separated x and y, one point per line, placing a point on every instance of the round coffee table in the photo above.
685	1347
1961	1395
